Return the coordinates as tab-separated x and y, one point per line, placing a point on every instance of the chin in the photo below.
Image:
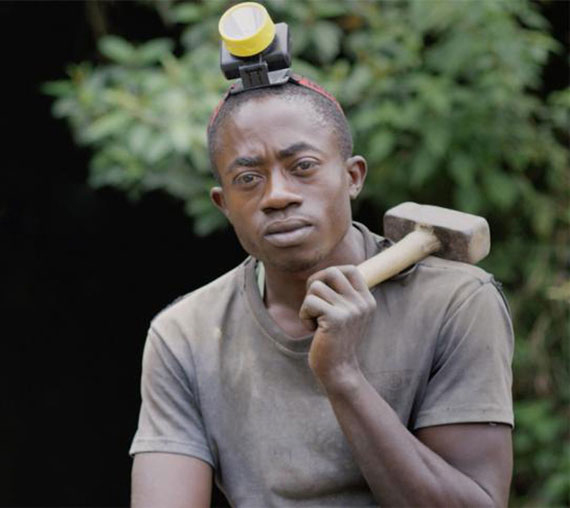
293	264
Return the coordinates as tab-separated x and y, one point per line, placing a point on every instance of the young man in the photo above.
291	382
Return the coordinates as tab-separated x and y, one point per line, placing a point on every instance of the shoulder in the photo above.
439	267
202	307
441	287
463	299
443	274
441	278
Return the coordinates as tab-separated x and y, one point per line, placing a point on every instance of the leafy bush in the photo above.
444	101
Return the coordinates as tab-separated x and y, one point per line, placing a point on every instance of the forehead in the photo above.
273	123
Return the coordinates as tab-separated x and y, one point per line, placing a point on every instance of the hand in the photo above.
342	306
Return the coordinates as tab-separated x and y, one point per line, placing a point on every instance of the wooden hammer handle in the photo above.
414	246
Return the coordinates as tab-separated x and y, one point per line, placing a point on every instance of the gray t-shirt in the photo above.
223	383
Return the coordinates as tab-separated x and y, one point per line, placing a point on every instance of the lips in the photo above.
288	232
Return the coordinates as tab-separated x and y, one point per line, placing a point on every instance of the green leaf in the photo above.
326	38
117	49
138	138
381	146
107	125
153	51
500	189
437	139
198	34
61	88
330	8
357	83
180	135
187	13
468	199
66	107
543	217
158	147
462	169
422	168
300	39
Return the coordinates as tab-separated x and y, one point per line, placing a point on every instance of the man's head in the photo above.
283	159
326	112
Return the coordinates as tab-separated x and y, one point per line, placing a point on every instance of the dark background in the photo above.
82	272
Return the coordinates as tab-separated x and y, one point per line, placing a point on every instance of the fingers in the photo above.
333	288
344	280
332	293
313	307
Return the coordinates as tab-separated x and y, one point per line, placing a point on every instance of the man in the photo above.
287	379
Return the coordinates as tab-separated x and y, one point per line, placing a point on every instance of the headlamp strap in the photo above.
275	78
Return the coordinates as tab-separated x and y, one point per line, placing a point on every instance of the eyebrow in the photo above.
296	148
244	162
252	162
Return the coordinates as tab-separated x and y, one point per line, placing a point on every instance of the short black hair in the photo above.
328	114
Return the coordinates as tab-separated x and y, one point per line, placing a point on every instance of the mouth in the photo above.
287	233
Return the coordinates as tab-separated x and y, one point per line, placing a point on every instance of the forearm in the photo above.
400	469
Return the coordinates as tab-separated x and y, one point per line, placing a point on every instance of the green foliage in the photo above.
443	98
144	114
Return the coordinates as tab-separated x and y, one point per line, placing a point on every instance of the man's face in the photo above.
285	187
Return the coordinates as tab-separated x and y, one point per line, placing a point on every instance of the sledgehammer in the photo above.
421	230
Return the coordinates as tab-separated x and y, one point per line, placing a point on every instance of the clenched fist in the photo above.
341	305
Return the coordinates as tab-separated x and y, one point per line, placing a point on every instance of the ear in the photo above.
356	168
217	197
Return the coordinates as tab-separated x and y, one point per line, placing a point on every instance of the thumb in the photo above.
309	321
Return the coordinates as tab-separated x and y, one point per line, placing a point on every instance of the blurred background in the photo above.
105	217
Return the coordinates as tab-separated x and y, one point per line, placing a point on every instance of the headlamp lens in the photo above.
246	29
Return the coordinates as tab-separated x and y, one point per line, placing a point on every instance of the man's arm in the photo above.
483	452
446	465
170	481
172	460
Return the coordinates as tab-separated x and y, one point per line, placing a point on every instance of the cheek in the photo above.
243	222
337	200
341	213
338	212
245	237
243	218
236	208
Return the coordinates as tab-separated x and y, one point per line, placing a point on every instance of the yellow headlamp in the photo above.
253	48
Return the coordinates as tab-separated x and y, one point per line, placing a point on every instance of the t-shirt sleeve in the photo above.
471	377
170	420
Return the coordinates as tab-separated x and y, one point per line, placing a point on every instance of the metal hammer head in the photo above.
463	237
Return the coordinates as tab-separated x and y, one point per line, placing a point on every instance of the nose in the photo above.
280	193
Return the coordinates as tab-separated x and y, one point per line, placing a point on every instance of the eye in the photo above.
305	165
246	179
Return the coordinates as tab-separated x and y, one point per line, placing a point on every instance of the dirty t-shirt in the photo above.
223	383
